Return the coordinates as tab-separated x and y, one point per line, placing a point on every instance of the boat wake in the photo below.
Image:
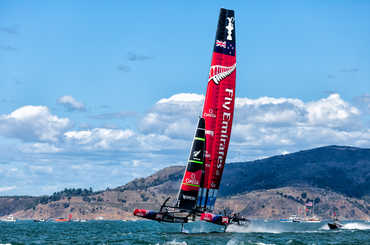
234	241
201	228
324	227
252	228
174	242
356	226
350	226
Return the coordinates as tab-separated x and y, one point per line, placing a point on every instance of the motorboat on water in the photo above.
313	219
10	218
335	225
39	220
79	220
292	218
64	219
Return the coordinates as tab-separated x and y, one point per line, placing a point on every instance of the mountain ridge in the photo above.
334	177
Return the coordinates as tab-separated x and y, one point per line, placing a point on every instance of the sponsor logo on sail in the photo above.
225	128
210	132
192	180
209	114
196	154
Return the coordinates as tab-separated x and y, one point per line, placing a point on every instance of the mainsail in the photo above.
218	108
198	191
194	171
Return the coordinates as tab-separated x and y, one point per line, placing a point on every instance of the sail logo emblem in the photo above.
210	114
211	133
192	180
196	154
219	72
230	28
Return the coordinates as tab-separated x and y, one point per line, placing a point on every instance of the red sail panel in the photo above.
218	108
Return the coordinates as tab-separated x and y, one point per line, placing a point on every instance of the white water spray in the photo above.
356	226
253	228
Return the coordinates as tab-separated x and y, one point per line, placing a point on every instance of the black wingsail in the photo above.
194	172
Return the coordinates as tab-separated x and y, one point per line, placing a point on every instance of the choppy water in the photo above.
148	232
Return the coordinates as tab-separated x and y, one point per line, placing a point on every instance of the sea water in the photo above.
148	232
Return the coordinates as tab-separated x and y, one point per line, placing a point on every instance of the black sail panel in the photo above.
194	172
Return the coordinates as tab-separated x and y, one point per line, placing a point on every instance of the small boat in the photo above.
312	220
64	219
335	224
79	220
292	218
39	220
295	219
285	220
10	218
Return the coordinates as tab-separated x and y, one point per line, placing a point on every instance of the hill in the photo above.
333	177
341	169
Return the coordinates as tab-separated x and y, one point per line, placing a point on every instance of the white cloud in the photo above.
331	112
118	140
41	169
7	188
182	98
101	138
283	124
267	110
240	102
39	148
274	125
71	103
33	123
175	117
268	123
262	127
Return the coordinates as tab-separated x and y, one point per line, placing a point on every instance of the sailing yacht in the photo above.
312	218
202	177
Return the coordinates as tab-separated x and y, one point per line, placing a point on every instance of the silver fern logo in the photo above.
218	72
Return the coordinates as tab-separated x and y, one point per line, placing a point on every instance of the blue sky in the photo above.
98	93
